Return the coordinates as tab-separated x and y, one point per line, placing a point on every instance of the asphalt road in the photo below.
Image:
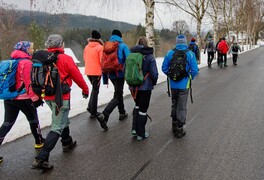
225	132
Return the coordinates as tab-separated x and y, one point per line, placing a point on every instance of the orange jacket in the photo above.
92	56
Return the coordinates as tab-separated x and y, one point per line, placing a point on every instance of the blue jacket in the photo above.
196	50
123	52
191	65
149	67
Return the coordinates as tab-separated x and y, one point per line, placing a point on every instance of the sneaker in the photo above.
38	146
134	133
41	164
180	133
1	159
101	119
122	116
139	138
69	147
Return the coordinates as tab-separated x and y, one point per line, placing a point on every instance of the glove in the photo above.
85	96
38	103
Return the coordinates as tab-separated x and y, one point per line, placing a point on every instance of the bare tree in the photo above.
180	27
149	21
195	8
213	12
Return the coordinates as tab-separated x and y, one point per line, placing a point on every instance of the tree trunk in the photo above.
149	5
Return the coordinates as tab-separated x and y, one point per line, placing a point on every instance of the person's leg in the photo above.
92	106
143	103
30	112
135	116
235	59
119	91
225	60
11	113
181	112
208	59
174	102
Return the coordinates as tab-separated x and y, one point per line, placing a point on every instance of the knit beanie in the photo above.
22	46
193	40
181	39
96	34
116	32
54	41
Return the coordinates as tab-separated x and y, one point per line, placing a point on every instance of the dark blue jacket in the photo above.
149	67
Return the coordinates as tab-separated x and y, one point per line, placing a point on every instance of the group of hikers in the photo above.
180	65
221	47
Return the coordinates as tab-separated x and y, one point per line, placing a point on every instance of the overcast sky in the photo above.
131	11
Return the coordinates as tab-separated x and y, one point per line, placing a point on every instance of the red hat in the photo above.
193	40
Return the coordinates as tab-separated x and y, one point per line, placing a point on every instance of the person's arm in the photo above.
153	71
166	62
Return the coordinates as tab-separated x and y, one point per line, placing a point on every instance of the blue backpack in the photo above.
8	80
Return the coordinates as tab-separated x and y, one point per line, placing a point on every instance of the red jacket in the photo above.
23	75
223	47
67	68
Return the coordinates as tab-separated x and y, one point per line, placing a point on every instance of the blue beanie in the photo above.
181	39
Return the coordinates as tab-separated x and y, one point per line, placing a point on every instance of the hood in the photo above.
116	38
56	50
90	40
142	49
17	54
181	47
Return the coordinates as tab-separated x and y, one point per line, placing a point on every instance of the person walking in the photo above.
210	48
92	56
223	49
218	53
234	51
68	71
195	49
27	102
117	79
143	92
180	89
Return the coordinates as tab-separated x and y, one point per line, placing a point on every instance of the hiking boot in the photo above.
101	119
139	138
122	116
180	132
1	159
134	133
92	116
69	147
174	127
38	146
41	164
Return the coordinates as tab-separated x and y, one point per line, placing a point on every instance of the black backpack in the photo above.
177	68
235	48
44	73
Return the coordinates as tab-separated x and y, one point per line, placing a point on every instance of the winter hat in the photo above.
193	40
96	34
22	46
181	39
54	41
117	32
210	36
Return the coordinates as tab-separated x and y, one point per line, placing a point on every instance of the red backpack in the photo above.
109	62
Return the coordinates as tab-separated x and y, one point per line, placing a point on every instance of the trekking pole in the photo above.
168	85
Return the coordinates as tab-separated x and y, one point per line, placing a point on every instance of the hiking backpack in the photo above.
109	62
177	67
133	69
192	47
44	73
235	48
8	70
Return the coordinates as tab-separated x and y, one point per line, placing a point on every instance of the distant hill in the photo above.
71	21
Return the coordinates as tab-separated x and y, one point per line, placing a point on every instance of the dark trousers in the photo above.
235	56
12	108
118	97
179	105
223	59
142	100
210	57
92	105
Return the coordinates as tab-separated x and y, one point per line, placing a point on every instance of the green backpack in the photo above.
133	69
